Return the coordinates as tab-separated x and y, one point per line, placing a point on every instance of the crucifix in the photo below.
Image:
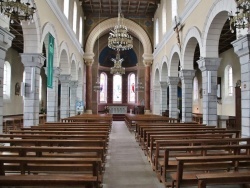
177	29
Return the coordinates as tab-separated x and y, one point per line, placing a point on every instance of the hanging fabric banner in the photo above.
50	62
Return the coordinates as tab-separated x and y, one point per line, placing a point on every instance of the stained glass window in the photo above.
103	83
117	88
131	88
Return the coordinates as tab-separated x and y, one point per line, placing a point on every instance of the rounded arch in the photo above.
32	29
157	77
175	55
106	25
192	38
49	28
164	69
73	67
213	25
64	62
80	76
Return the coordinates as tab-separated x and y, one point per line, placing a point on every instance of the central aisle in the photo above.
127	165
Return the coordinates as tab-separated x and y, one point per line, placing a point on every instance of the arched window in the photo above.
66	8
103	83
164	19
156	32
40	88
131	88
228	81
195	89
174	9
75	17
6	80
80	30
117	88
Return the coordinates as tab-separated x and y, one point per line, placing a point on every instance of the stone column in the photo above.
241	48
89	88
187	77
5	43
147	86
52	97
65	82
157	99
32	67
73	88
209	67
173	106
164	96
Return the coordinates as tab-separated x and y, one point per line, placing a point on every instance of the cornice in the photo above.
65	24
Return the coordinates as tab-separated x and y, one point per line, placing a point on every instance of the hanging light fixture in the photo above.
119	38
17	10
117	69
240	19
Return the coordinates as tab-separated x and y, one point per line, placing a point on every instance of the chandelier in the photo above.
119	38
17	10
242	16
117	69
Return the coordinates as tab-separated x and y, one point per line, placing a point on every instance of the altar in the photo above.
117	109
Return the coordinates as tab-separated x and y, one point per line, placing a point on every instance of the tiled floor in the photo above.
127	166
126	163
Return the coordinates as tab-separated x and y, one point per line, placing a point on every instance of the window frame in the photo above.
114	92
6	80
104	87
66	8
130	88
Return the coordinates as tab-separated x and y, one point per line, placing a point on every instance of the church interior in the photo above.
110	88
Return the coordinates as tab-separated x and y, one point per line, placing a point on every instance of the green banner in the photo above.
50	62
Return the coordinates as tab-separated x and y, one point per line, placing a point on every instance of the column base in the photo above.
147	112
88	112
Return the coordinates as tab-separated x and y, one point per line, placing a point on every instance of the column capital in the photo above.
186	74
32	59
65	78
56	71
164	84
173	80
241	45
74	84
209	63
5	39
89	62
147	63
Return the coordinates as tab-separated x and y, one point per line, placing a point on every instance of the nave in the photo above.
127	166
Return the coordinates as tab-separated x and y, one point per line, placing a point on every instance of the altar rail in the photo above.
117	109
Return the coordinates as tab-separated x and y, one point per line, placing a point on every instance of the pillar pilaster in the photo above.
173	105
32	67
187	77
209	67
65	83
89	88
164	96
5	43
52	97
241	48
147	64
73	89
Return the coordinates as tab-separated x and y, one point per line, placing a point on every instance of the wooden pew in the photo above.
202	164
203	150
184	140
48	167
146	140
222	178
130	119
44	128
53	151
